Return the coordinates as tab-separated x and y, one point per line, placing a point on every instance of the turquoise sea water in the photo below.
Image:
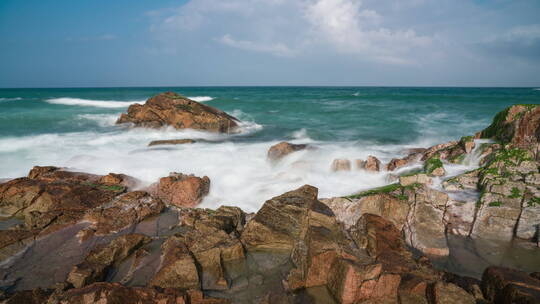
75	128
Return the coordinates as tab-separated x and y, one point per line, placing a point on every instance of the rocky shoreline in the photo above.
73	237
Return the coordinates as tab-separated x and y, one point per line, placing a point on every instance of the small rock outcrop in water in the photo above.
171	142
282	149
171	109
372	164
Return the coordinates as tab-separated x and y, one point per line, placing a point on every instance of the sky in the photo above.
105	43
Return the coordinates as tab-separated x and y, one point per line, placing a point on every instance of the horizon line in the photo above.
275	86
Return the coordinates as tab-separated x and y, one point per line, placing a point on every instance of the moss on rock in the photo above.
432	164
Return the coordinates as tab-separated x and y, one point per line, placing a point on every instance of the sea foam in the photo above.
92	103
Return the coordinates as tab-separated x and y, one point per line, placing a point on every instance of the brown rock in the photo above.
280	220
171	142
178	269
183	190
373	164
383	242
171	109
341	165
282	149
396	163
212	239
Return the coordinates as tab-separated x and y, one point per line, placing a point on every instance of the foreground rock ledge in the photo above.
179	112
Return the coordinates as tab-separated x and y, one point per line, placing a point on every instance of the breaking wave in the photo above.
92	103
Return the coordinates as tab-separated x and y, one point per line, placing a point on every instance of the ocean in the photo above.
75	128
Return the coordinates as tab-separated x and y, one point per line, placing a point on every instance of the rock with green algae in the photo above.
518	125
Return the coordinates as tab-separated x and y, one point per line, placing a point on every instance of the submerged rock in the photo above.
341	165
372	164
282	149
171	109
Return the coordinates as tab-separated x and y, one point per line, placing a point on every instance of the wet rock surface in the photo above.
171	109
73	237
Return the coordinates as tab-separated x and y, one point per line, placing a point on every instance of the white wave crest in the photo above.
201	98
92	103
10	98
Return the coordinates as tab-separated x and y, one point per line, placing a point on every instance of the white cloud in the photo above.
295	27
342	23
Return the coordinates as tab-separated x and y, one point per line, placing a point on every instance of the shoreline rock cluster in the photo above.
104	240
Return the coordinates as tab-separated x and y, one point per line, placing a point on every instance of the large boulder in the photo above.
282	149
171	109
183	190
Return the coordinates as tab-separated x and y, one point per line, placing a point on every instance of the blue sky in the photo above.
66	43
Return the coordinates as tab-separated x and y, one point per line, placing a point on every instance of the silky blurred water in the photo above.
76	128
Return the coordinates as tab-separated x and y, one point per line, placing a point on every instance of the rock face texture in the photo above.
282	149
171	109
98	262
